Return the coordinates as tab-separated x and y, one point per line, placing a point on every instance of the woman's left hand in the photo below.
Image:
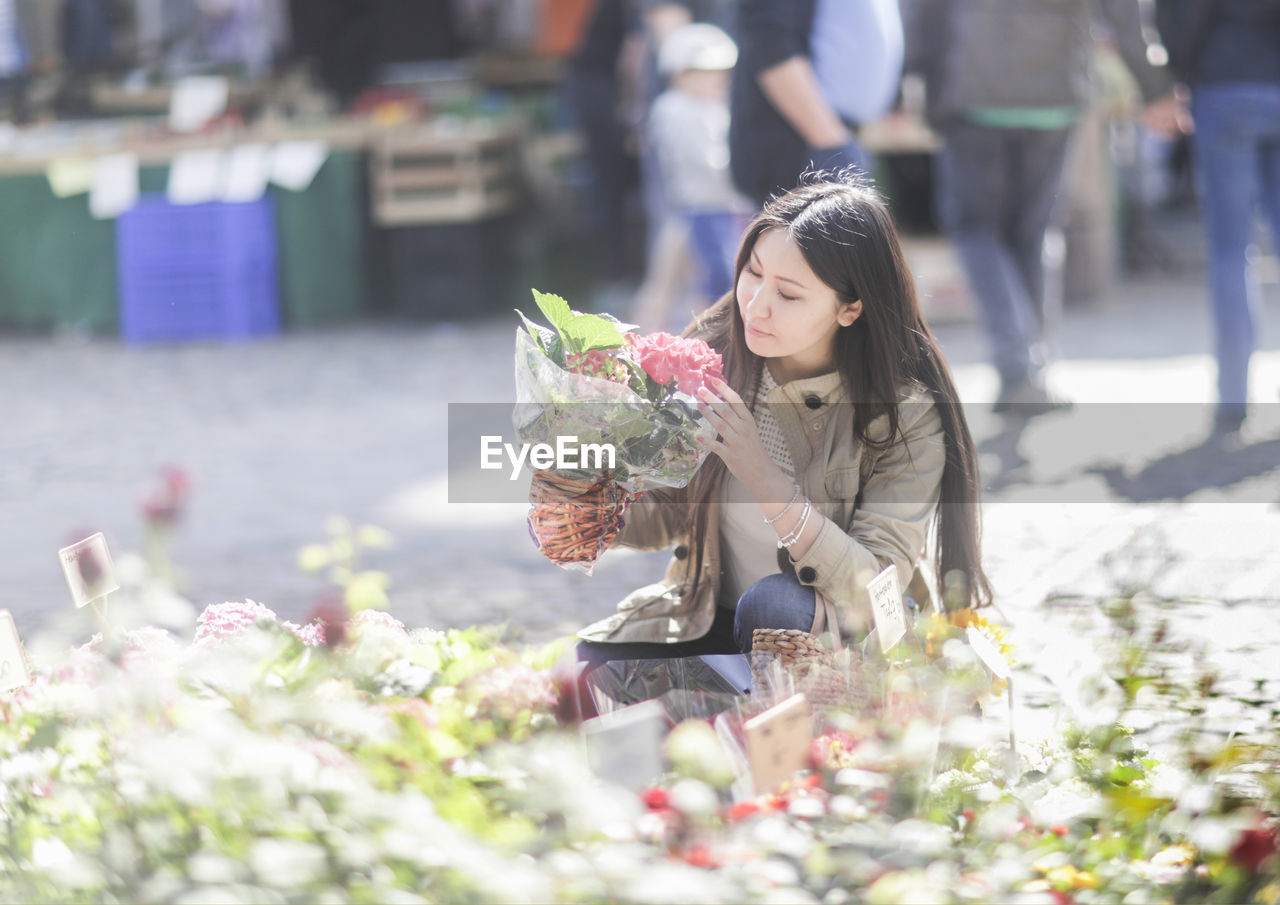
739	442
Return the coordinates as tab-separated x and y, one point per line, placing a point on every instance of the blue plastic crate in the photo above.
197	271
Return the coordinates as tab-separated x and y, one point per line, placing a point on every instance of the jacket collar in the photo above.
827	388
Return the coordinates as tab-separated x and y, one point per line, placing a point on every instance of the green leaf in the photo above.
579	332
555	309
591	331
541	335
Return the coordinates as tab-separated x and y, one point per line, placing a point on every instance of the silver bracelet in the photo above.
789	541
795	496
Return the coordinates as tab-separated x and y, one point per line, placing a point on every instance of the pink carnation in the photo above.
506	691
691	363
221	620
312	635
375	617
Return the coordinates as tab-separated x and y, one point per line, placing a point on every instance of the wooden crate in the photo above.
423	175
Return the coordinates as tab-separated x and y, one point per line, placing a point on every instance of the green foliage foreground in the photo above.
355	761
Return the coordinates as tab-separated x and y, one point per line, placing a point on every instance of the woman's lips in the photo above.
755	331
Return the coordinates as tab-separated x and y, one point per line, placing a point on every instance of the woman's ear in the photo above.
849	313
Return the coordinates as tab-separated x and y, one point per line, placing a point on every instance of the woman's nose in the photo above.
756	304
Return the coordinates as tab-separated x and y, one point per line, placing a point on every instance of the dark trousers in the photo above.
775	601
997	190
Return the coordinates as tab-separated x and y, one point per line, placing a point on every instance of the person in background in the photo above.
14	62
1005	81
689	131
1228	53
810	73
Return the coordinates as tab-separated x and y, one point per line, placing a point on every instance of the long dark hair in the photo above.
848	239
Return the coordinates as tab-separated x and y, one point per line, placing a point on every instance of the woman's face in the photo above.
789	315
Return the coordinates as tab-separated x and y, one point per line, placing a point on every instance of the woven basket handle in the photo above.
824	618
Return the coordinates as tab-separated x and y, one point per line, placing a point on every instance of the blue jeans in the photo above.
997	190
775	601
1237	144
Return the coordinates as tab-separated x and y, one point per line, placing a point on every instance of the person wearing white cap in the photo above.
688	129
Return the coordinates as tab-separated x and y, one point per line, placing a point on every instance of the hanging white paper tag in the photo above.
887	608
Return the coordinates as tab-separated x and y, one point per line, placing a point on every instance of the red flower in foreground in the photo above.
699	855
330	616
1253	848
164	502
656	799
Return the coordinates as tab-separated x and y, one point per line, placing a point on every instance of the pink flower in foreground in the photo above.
598	363
666	358
311	635
221	620
506	691
375	617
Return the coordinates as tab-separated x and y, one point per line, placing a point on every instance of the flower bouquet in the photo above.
623	402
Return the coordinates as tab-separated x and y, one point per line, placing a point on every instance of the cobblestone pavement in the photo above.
279	434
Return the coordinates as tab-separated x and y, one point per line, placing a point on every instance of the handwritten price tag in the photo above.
887	608
778	742
13	663
89	570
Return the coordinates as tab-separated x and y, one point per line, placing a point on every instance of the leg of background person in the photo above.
775	601
971	192
666	276
1227	169
610	170
1035	182
1269	169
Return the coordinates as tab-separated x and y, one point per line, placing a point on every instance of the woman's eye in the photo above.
751	271
787	298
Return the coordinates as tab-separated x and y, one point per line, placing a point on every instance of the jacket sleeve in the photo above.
890	526
1132	24
655	521
774	32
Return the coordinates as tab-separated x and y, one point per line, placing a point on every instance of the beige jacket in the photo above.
900	491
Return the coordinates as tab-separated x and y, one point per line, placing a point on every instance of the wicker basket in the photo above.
812	668
574	521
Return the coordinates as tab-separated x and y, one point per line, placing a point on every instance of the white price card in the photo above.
778	742
625	746
89	570
114	188
244	178
194	176
988	653
13	662
887	608
295	163
196	100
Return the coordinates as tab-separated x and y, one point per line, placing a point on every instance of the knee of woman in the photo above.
775	601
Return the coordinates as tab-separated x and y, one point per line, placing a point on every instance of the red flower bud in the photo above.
655	799
1253	848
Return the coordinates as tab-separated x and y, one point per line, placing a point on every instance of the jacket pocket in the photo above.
842	484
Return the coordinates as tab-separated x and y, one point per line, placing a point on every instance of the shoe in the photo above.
1228	419
1027	399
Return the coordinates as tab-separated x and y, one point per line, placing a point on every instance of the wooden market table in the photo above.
58	263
